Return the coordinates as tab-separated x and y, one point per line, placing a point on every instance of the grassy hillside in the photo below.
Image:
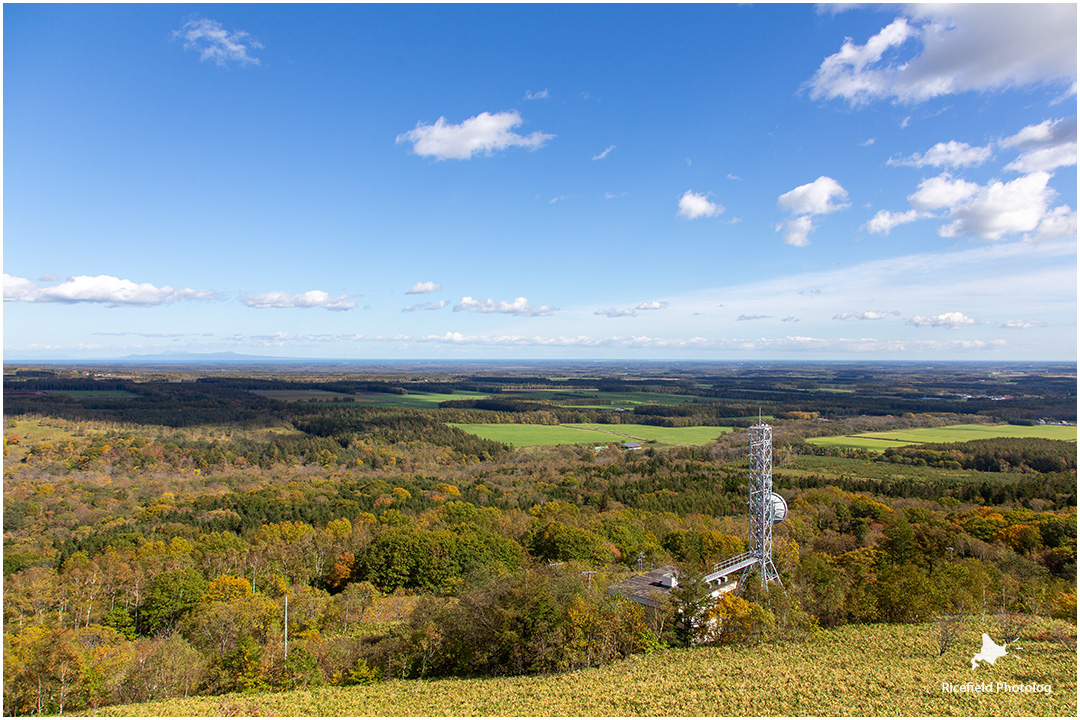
890	670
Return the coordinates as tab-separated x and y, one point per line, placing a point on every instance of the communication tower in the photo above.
763	503
766	509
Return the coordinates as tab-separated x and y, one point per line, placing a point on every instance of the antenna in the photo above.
762	504
766	509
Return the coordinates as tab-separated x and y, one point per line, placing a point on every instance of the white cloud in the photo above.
1022	324
615	312
865	315
520	306
605	153
1046	146
1059	222
817	198
1045	134
743	318
954	48
1045	159
612	196
693	205
105	289
797	231
213	42
632	312
424	287
947	154
17	289
425	306
1001	208
789	343
942	192
539	95
790	318
485	133
311	298
884	221
951	320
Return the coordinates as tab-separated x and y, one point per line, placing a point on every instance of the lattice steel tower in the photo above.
763	503
766	509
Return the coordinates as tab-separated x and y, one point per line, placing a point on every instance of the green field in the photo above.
535	435
948	434
877	670
674	436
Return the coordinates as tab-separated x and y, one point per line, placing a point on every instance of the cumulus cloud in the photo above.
213	42
311	298
653	305
947	154
820	197
519	306
1059	222
865	315
1000	208
797	231
951	320
942	192
484	133
104	289
694	205
426	306
884	221
539	95
424	287
605	153
1050	144
936	50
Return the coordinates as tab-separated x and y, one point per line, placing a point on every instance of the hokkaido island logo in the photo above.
990	652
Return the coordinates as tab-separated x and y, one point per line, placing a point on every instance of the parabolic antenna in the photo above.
779	509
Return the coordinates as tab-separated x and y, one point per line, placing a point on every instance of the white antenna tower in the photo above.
766	509
762	503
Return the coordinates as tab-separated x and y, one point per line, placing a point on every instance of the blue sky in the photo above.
572	182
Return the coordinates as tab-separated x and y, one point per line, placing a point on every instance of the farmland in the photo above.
948	434
883	670
538	435
444	539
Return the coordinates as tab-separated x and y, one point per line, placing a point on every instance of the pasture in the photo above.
536	435
947	434
877	669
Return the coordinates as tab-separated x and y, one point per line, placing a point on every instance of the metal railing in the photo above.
731	565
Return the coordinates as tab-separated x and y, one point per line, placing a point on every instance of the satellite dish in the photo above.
779	509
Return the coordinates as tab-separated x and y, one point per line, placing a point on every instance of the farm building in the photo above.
630	446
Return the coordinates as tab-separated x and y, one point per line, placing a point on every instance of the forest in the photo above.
169	532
